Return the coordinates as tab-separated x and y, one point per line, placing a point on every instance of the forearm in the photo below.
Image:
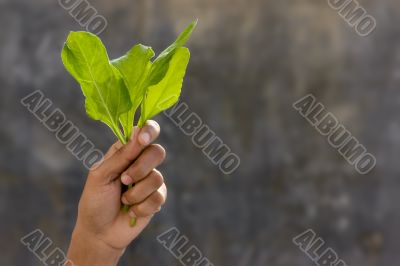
85	250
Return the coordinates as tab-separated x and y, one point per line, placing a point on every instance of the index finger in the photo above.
119	157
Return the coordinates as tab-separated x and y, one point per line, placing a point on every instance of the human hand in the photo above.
102	230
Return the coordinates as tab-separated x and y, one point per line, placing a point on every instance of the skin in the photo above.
102	230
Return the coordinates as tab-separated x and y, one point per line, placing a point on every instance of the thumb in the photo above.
115	164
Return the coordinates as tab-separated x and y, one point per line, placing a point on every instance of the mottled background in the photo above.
251	59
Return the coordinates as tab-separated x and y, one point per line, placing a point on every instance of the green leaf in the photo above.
160	64
107	97
134	67
180	41
166	93
161	73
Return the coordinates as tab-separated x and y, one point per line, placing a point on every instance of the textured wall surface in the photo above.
251	59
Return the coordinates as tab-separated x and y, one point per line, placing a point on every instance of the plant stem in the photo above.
125	207
124	140
118	133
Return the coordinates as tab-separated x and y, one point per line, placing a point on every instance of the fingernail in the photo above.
132	214
126	179
144	138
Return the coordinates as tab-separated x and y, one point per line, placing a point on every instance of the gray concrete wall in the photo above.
250	61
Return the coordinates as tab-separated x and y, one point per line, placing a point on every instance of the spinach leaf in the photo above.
166	93
107	97
180	41
114	90
160	72
134	68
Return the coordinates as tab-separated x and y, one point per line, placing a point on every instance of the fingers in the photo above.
151	204
113	149
151	157
119	156
143	189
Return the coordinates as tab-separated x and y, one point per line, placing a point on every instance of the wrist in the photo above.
86	249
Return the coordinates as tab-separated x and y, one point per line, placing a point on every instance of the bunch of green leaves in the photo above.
115	89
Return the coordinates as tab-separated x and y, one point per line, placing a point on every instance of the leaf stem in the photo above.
124	140
125	208
118	133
